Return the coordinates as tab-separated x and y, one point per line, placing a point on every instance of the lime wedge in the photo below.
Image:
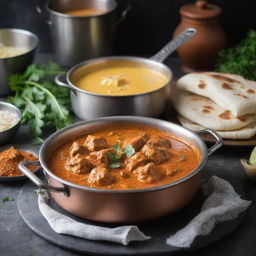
252	159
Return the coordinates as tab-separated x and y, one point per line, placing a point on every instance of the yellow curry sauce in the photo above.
182	158
85	12
121	79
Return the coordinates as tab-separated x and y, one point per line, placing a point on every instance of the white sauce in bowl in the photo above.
10	51
8	119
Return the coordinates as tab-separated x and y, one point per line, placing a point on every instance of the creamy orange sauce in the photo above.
120	78
122	133
85	12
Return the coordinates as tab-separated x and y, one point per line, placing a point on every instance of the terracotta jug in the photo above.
200	53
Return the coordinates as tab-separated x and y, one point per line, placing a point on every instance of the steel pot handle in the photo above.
37	181
175	43
219	140
43	13
59	80
124	10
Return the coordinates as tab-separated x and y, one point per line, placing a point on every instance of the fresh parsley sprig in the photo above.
240	60
41	101
7	199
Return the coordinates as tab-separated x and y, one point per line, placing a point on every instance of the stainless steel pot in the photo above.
120	205
79	38
87	105
17	64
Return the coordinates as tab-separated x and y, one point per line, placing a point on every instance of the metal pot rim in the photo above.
129	58
64	15
137	120
25	32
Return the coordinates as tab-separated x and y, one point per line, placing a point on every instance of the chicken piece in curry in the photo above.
124	157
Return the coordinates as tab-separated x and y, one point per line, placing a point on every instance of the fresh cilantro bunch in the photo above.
240	60
40	100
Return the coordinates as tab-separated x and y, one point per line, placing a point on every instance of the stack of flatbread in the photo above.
223	102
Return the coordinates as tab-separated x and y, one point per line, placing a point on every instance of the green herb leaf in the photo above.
129	151
41	101
7	199
117	148
41	191
240	60
182	158
115	165
113	158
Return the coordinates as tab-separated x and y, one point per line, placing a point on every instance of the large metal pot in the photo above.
87	105
79	38
120	205
17	64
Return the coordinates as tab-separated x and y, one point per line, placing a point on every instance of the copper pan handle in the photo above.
174	44
218	143
37	181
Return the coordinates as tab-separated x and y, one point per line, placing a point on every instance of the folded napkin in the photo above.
62	224
222	204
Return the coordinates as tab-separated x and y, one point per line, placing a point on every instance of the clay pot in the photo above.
200	53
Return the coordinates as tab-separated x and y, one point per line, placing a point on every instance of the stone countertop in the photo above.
16	239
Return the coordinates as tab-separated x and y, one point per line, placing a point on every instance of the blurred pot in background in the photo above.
200	53
82	29
16	39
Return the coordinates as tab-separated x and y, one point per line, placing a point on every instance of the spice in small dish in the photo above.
8	119
10	159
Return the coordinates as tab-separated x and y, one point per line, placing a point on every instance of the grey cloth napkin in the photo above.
62	224
222	204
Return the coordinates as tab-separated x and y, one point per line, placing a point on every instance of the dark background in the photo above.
148	26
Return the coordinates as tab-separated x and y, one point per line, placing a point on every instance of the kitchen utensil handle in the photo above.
175	43
43	12
218	143
124	10
59	81
37	181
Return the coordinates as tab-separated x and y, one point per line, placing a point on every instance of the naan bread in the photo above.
230	92
205	112
244	133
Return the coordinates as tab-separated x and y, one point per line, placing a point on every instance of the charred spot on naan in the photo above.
251	91
206	111
227	86
241	95
241	118
226	115
194	97
202	84
223	78
208	107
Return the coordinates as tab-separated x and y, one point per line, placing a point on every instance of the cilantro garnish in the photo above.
128	151
40	100
7	199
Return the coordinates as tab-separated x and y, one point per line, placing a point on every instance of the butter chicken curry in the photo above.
124	157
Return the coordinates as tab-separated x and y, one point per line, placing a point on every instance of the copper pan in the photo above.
108	205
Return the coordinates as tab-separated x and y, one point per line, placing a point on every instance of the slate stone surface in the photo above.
16	239
159	230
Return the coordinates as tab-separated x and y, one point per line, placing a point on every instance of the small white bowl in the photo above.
6	135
